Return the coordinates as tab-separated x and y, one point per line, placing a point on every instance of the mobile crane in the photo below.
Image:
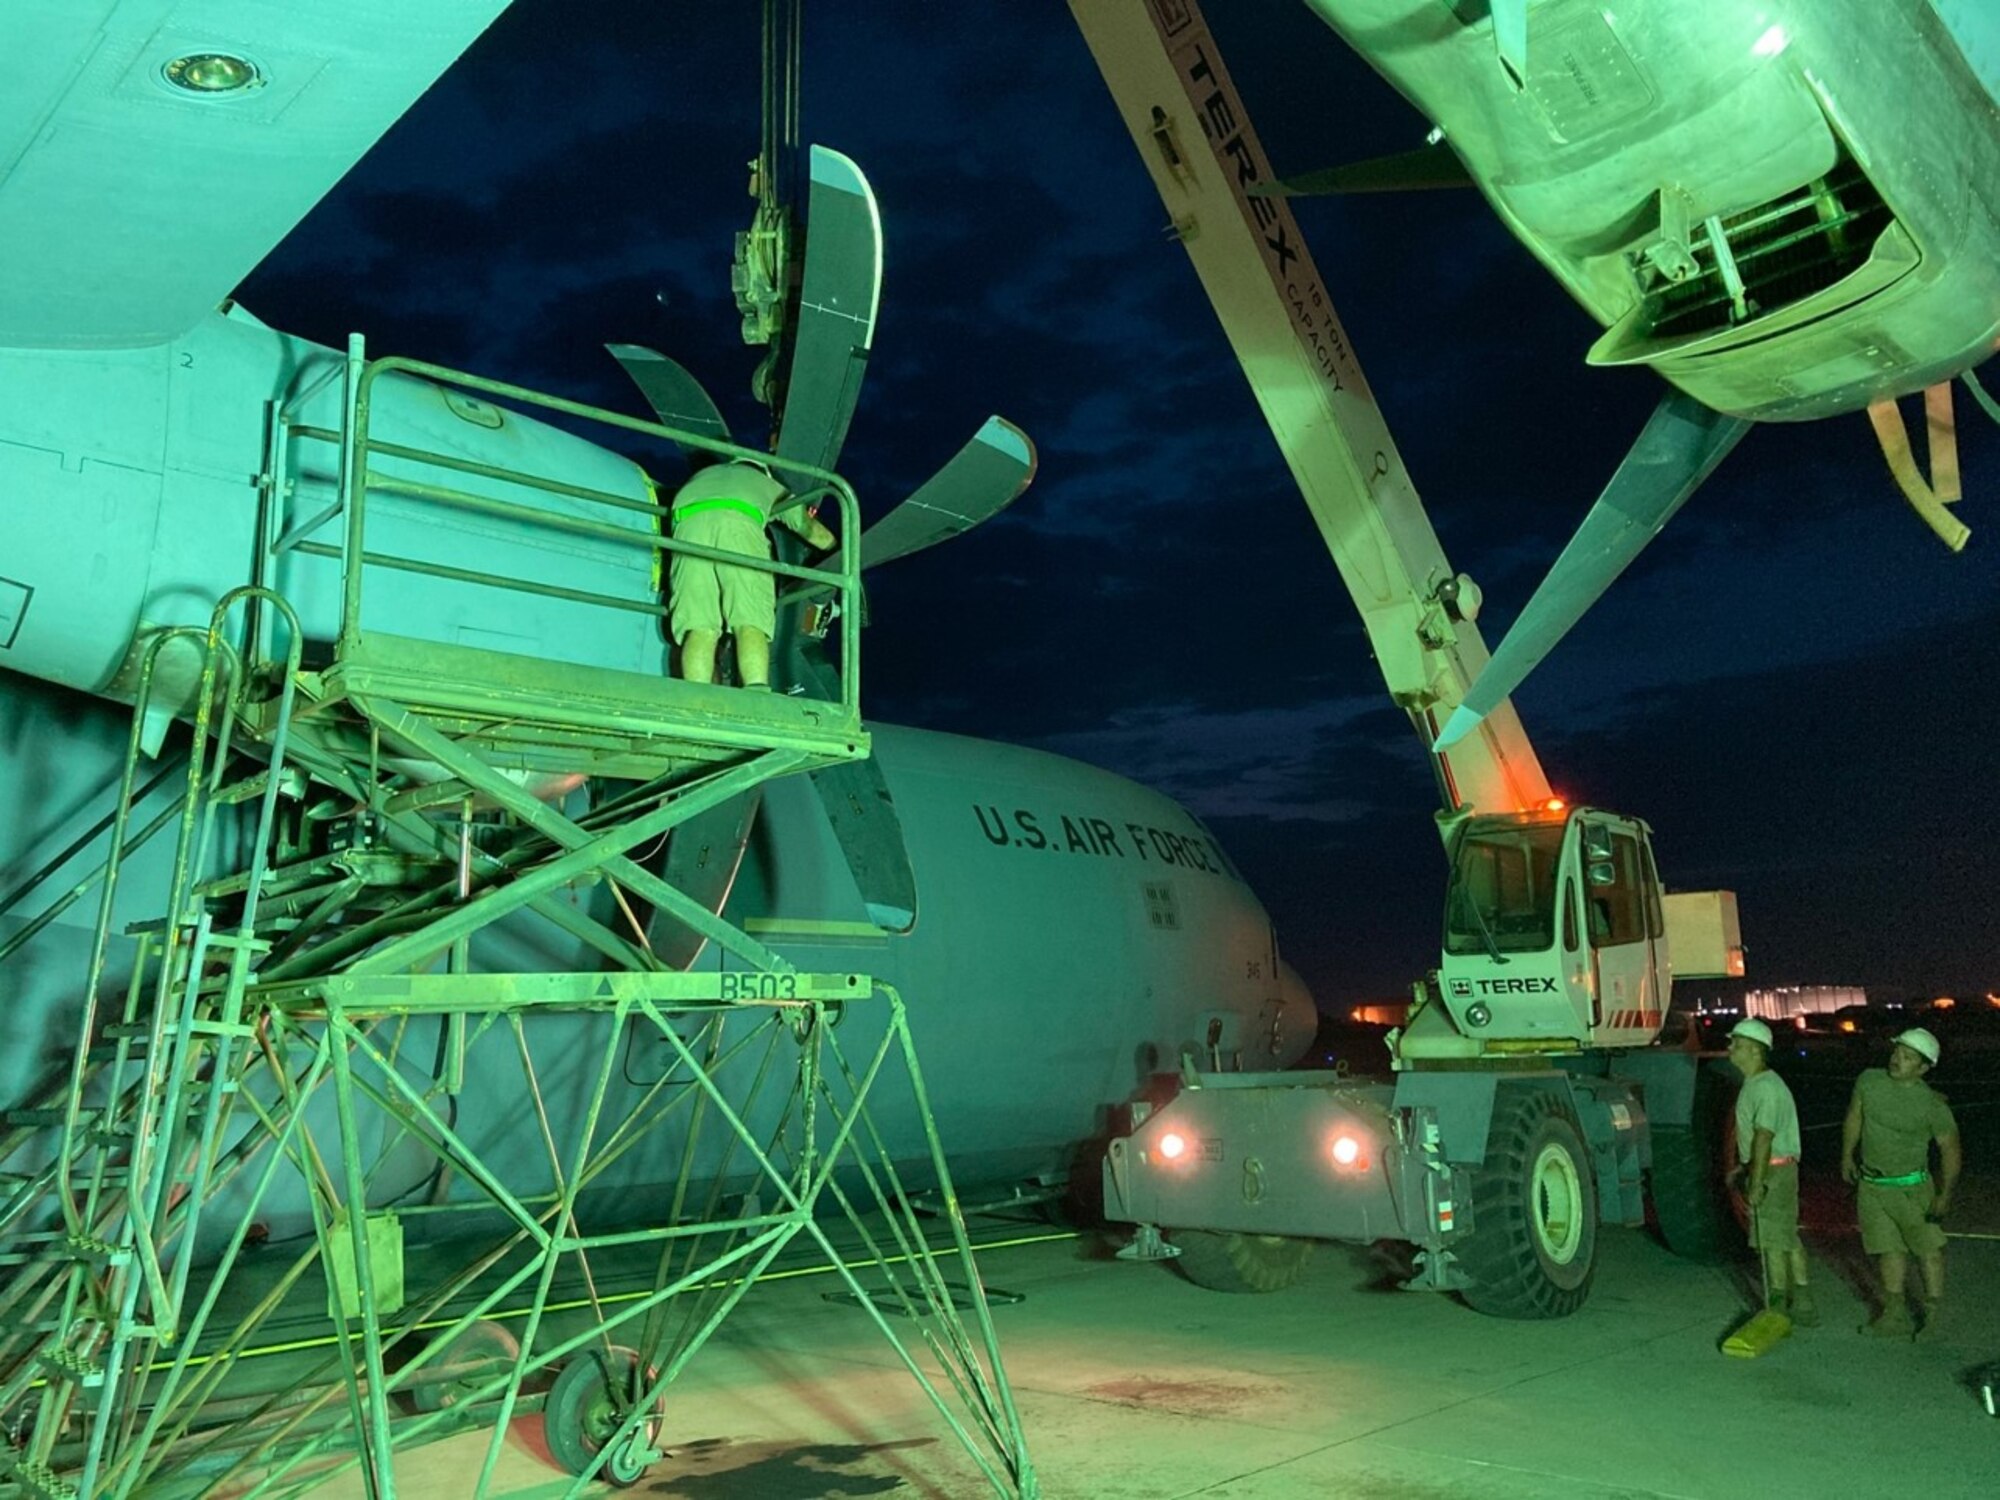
1529	1102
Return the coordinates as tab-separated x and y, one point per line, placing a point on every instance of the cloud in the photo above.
1276	762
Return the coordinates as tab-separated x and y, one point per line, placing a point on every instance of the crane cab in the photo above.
1555	939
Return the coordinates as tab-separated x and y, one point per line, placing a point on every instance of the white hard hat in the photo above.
1753	1029
1920	1042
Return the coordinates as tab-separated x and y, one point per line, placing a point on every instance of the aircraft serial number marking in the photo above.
1023	829
759	986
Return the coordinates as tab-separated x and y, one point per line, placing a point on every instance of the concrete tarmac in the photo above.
1133	1383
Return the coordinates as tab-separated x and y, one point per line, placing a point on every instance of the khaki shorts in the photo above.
1774	1223
714	596
1892	1219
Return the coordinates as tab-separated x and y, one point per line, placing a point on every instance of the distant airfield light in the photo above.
1771	43
1943	1002
1847	1026
212	74
1173	1146
1554	804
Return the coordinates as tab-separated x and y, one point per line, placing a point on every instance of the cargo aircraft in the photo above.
1061	933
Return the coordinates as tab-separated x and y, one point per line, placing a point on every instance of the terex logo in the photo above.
1542	986
1462	989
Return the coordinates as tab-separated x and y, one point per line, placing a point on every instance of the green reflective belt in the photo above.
743	507
1908	1179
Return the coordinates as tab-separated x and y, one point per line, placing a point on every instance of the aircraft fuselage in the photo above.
1076	932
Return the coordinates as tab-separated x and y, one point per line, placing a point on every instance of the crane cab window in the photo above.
1617	902
1503	889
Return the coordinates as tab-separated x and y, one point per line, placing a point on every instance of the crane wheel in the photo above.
1687	1185
1533	1245
1240	1262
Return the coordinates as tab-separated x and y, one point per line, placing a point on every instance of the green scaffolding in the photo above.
262	1039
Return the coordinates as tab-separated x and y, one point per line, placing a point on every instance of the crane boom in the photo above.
1184	114
1556	927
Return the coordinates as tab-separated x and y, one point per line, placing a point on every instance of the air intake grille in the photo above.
1784	251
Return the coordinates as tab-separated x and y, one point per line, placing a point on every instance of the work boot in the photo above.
1804	1311
1893	1322
1932	1327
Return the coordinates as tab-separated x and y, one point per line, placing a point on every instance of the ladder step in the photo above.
87	1247
244	790
37	1480
40	1117
66	1364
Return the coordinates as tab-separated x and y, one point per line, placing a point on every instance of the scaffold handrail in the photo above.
359	481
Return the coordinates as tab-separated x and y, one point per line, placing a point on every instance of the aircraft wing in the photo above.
130	205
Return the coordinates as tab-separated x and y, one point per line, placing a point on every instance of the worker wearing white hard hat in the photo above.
1767	1150
1754	1029
1920	1042
1885	1144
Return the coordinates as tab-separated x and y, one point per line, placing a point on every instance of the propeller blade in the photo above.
703	856
982	479
1682	443
838	296
677	398
1427	167
858	804
870	833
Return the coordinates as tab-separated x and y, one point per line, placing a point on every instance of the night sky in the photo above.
1792	685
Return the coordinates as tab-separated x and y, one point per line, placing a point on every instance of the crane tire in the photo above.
1240	1262
1533	1246
1688	1184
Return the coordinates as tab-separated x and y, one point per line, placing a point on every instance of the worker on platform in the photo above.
1767	1151
1885	1148
726	505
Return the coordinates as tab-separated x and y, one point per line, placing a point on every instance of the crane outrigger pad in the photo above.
1760	1335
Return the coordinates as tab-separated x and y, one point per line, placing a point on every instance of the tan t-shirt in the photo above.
736	481
1764	1103
1898	1123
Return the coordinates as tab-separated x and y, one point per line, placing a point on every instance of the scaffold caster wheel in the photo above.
484	1347
590	1399
628	1461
